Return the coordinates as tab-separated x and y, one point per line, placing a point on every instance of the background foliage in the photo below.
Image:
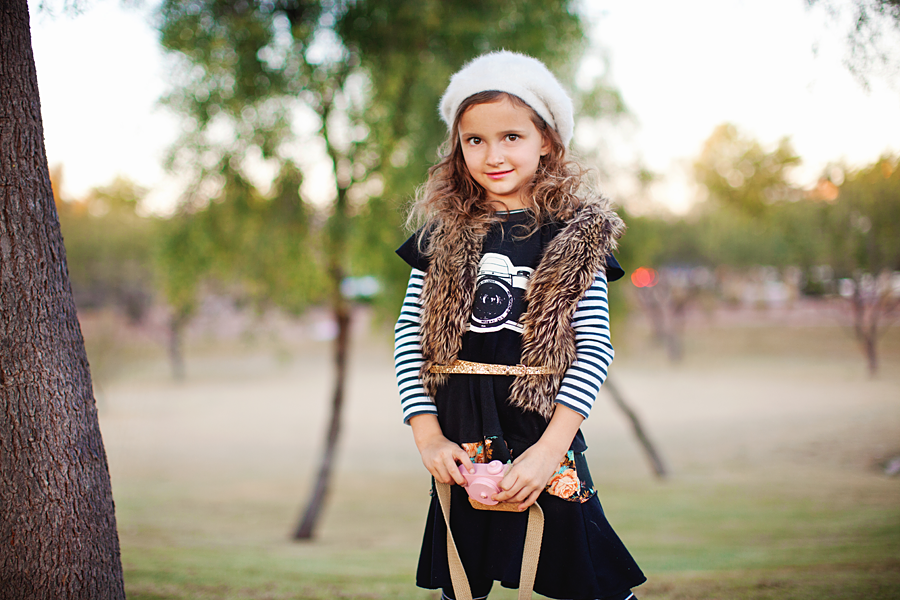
271	92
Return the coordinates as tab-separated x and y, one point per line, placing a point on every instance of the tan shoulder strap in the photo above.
530	554
457	572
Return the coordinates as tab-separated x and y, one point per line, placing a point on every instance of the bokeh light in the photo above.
644	277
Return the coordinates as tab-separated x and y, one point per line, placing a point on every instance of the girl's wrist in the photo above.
554	447
561	430
426	429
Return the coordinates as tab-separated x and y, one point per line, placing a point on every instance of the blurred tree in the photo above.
755	217
266	84
253	246
860	225
675	272
58	522
109	247
738	172
872	37
741	225
184	258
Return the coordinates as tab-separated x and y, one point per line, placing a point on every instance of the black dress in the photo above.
581	556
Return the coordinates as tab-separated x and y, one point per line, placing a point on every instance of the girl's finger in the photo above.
453	470
530	500
463	458
440	471
508	483
506	488
509	493
438	475
523	494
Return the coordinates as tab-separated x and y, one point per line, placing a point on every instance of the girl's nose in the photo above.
495	157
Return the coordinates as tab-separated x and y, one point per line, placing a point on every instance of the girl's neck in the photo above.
508	206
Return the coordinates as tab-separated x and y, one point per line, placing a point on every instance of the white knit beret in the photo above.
515	74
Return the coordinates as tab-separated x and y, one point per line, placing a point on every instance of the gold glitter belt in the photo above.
473	368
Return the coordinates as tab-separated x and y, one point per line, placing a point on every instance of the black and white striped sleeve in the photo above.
593	350
408	352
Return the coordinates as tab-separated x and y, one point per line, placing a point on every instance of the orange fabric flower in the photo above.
479	452
471	448
565	484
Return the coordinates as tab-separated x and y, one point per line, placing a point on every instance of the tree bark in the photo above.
58	534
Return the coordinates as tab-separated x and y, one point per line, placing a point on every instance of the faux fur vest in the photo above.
565	272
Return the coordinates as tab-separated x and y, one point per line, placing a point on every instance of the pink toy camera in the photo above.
485	481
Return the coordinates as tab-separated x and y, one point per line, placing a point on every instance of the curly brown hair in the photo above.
451	196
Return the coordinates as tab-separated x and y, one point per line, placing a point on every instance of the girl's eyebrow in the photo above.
501	133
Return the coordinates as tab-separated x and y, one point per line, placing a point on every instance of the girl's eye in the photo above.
473	141
512	137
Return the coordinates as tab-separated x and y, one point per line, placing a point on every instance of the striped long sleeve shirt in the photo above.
581	382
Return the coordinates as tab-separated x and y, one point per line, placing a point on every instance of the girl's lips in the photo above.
498	174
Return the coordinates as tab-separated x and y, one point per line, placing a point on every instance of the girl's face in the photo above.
502	149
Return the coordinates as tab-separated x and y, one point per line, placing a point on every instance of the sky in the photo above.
771	67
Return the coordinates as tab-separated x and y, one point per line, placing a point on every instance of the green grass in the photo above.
755	537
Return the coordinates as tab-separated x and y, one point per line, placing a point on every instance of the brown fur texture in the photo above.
565	272
447	294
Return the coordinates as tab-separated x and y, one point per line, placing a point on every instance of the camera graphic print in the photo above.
499	294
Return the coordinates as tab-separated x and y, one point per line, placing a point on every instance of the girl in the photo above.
510	268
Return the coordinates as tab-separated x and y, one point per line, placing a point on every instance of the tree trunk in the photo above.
653	456
311	514
58	525
675	329
177	322
870	345
865	307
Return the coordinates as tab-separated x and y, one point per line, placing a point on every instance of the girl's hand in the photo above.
533	468
439	455
529	475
